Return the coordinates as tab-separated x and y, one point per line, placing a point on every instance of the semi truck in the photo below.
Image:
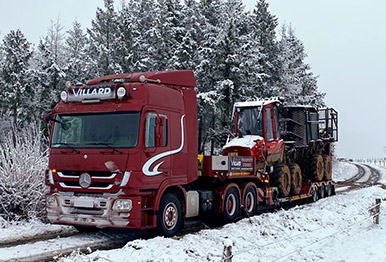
123	154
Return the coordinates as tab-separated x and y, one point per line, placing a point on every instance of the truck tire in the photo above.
314	194
250	201
169	217
327	167
231	205
281	178
315	168
296	178
322	191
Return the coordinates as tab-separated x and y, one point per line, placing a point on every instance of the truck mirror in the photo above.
47	118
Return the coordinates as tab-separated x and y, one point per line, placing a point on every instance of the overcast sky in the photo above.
345	41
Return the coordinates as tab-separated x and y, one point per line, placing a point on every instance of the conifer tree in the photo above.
51	60
263	25
16	93
297	84
104	38
78	66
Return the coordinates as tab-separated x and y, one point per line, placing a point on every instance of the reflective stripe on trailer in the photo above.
260	194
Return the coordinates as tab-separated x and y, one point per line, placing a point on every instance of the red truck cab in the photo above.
117	144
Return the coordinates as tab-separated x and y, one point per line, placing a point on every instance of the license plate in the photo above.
84	203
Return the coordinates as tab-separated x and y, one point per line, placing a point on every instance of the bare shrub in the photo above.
22	166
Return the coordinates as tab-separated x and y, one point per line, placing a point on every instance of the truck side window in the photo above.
268	124
150	131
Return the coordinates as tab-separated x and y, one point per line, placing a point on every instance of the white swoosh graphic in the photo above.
151	161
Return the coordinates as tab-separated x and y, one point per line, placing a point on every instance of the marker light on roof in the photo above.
121	92
64	96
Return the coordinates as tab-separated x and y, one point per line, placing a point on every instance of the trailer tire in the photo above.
169	217
327	167
250	201
322	191
314	194
231	205
296	178
329	190
315	168
281	178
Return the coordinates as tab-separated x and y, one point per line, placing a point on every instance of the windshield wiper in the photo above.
68	146
107	145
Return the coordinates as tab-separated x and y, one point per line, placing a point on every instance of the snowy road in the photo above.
339	228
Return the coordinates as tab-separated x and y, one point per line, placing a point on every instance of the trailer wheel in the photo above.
314	194
315	168
322	191
296	178
250	201
327	167
329	190
231	204
281	179
169	217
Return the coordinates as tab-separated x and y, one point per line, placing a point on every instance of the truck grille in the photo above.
100	181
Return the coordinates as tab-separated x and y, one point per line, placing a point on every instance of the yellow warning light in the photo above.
266	181
54	170
139	202
207	201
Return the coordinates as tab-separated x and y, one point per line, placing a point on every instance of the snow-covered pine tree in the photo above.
51	60
297	84
16	93
78	67
168	33
104	40
186	52
263	25
228	67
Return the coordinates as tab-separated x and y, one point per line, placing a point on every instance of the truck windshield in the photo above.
118	129
249	121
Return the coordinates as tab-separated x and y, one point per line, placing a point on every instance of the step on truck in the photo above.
123	154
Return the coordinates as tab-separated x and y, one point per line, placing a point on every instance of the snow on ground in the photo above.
18	230
339	228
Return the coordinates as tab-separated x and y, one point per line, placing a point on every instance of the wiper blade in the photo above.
107	145
68	146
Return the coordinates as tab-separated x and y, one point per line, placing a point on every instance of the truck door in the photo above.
155	145
274	145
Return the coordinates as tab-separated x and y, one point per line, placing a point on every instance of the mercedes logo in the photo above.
85	180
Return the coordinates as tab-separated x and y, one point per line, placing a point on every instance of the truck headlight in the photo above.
51	201
123	205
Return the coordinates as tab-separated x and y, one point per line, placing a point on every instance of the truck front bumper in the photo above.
93	211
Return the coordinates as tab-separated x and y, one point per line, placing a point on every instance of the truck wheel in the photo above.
250	201
322	192
315	168
169	217
329	190
314	194
231	204
296	178
281	179
327	167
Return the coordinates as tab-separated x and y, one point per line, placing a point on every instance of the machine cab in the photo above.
257	131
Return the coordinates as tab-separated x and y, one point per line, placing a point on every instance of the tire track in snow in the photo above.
362	179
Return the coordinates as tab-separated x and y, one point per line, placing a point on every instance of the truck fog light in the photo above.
51	201
63	96
122	205
121	92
